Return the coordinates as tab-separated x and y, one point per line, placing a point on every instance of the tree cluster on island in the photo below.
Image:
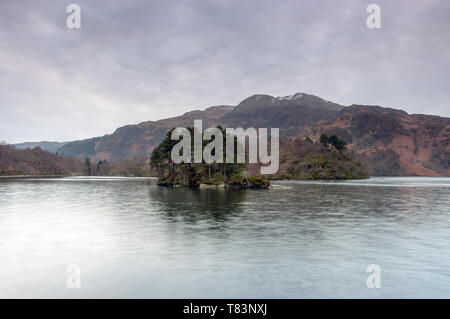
333	140
202	175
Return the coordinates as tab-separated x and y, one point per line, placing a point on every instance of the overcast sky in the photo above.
134	61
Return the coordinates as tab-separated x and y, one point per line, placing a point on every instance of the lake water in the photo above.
299	240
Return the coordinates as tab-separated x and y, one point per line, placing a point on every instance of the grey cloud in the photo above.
134	61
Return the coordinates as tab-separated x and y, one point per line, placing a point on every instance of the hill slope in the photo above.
393	142
388	141
36	162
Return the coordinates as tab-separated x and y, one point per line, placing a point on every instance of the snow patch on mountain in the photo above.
291	97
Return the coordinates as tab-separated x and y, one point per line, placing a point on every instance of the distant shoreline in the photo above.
150	177
62	176
32	176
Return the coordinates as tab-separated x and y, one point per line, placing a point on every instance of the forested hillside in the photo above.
36	162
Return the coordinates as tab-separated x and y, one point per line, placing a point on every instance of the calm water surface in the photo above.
301	239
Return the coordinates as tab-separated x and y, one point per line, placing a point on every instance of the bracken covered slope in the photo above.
393	142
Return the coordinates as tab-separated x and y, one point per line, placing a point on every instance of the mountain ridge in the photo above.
390	141
44	145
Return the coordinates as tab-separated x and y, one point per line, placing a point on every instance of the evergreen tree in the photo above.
87	163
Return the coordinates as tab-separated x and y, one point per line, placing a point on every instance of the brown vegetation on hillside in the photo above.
36	162
393	142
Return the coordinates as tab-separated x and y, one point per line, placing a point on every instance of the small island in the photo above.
201	175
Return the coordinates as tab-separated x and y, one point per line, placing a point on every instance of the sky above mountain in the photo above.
137	60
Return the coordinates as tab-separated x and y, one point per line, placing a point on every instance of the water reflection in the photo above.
308	239
193	205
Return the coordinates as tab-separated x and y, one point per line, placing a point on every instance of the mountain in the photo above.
393	142
292	114
36	162
388	141
138	140
44	145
